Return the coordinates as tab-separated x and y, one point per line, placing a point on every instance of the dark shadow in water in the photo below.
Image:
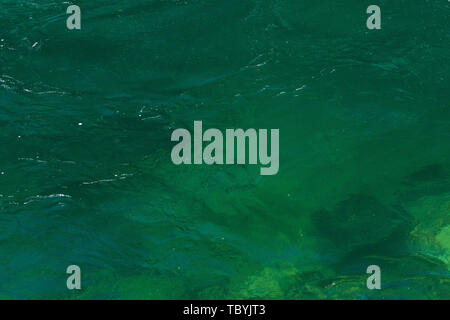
360	224
429	180
428	173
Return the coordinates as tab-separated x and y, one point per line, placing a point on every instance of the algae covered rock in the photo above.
268	283
443	240
431	233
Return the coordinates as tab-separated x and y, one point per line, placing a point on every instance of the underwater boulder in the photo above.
358	221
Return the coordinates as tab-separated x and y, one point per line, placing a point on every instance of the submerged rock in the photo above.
443	241
431	234
428	173
358	221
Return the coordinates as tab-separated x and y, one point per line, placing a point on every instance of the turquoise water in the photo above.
87	179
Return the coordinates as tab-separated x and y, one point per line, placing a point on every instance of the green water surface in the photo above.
86	176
